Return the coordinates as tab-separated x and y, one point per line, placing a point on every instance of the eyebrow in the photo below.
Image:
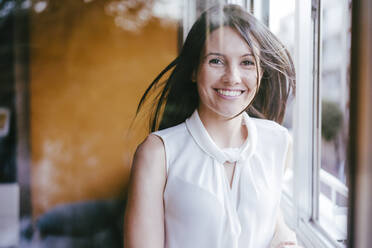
222	55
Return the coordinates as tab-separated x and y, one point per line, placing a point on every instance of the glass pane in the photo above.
334	89
282	24
83	65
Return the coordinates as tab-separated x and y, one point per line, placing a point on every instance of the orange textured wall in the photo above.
87	76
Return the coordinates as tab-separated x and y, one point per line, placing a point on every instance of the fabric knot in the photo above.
206	143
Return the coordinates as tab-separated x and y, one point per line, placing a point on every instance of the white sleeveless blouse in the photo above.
200	208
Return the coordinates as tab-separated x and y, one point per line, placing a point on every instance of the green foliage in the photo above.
331	120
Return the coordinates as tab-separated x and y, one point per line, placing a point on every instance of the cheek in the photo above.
204	94
201	77
206	78
251	81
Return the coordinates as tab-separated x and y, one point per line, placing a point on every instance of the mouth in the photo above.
229	93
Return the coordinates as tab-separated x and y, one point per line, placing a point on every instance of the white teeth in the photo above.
230	92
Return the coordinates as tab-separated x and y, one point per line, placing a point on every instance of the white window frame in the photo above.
301	212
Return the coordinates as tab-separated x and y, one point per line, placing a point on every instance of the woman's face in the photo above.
227	75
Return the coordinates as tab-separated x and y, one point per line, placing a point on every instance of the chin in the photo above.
231	114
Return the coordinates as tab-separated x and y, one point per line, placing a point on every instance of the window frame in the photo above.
302	211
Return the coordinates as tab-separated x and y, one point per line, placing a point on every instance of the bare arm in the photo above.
144	217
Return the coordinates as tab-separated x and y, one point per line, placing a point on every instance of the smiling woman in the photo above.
211	173
179	97
227	75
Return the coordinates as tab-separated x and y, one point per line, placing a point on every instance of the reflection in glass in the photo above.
86	64
282	24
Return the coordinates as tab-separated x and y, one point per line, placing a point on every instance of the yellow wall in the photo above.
87	76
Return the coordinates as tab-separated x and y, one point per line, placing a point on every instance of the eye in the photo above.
248	62
215	61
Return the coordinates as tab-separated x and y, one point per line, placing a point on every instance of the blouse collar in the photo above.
202	138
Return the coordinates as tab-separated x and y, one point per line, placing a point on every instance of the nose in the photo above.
232	75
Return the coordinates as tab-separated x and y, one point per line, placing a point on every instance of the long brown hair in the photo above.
179	96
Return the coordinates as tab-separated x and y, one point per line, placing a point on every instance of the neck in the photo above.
225	132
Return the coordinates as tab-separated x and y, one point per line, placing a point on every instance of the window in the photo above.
334	113
316	198
78	55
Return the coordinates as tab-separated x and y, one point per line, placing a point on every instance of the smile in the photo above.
229	93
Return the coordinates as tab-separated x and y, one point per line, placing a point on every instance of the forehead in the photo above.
227	41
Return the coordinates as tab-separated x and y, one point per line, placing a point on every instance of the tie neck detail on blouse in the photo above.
203	139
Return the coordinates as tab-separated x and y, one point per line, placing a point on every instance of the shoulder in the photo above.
152	142
171	131
271	132
149	157
172	136
150	147
269	126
